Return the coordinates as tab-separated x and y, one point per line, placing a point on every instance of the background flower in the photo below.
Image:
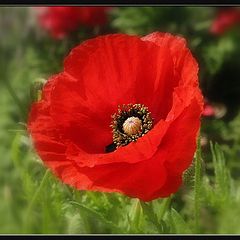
225	19
60	21
208	110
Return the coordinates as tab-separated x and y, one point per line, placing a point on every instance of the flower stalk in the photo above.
35	196
197	185
16	99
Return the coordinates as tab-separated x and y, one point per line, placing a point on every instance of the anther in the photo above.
130	122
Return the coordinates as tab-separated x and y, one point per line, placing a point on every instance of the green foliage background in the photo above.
34	201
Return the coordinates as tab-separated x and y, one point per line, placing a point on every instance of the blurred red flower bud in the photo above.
225	19
208	110
60	21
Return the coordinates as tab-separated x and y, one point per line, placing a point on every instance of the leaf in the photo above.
36	89
178	223
222	175
149	211
76	224
97	216
136	215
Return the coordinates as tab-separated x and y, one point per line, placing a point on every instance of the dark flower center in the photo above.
130	123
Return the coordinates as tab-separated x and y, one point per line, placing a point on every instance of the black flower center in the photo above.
130	123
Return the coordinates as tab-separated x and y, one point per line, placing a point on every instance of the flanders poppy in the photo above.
226	18
60	21
123	116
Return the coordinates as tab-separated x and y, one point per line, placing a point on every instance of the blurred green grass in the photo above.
34	201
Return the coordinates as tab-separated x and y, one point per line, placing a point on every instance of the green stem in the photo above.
197	184
15	98
34	198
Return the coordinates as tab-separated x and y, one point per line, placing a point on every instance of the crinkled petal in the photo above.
124	69
185	65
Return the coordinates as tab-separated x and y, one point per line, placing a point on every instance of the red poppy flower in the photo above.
226	18
60	21
152	138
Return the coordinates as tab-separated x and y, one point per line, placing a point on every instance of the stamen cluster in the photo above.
129	123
